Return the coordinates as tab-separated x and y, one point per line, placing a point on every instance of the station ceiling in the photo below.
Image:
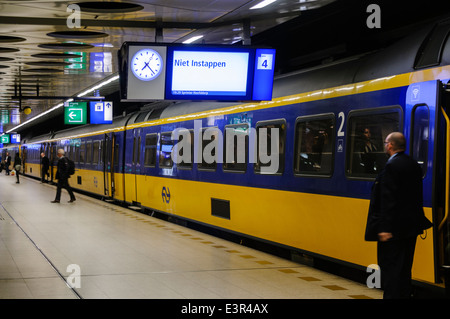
45	57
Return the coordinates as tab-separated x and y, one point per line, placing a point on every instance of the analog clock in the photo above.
146	64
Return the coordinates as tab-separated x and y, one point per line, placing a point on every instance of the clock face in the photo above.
146	64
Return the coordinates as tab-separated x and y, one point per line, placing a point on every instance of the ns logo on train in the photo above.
165	195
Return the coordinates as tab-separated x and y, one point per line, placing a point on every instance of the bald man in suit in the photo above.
396	217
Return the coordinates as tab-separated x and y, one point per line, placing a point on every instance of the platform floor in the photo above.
120	253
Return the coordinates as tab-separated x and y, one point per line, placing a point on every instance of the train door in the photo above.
136	162
53	161
108	164
132	165
425	129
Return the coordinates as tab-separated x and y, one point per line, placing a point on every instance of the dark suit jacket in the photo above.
62	173
45	163
396	203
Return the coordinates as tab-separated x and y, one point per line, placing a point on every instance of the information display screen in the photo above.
153	71
209	74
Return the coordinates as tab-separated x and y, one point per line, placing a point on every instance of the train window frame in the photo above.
316	117
390	109
160	150
412	149
148	147
235	167
202	145
282	156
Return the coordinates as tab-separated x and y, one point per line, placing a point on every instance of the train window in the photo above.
77	153
95	152
314	140
150	150
420	135
235	147
365	148
100	152
88	152
165	150
274	132
82	152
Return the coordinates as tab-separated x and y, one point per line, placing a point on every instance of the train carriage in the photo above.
316	200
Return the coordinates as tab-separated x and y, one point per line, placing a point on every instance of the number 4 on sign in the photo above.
265	62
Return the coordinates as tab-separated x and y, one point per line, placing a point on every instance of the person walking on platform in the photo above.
7	163
396	217
62	175
45	166
17	166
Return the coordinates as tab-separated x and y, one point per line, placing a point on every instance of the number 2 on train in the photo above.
340	131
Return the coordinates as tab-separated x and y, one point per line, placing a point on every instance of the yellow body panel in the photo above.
32	169
118	187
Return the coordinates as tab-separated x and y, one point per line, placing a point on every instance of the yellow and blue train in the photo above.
316	202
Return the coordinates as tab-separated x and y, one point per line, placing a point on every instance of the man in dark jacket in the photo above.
7	163
396	217
62	175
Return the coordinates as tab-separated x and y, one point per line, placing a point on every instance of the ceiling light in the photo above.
42	70
77	34
56	55
193	39
262	4
116	77
6	38
109	7
8	50
65	46
48	63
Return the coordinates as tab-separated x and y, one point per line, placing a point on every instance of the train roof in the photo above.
424	48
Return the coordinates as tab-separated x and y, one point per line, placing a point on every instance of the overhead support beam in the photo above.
159	36
246	36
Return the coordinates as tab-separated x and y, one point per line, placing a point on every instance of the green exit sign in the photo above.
75	113
4	139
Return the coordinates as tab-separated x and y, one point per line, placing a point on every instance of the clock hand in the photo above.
146	65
